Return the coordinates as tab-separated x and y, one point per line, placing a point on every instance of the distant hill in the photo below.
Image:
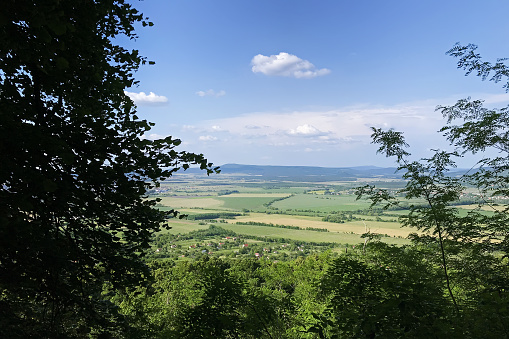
307	173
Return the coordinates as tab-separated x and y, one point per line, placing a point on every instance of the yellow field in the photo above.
389	228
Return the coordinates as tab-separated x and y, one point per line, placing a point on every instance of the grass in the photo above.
322	203
200	202
183	226
243	201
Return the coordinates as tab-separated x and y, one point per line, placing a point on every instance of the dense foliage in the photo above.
382	292
74	166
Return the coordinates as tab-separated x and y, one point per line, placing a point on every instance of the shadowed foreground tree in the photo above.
74	166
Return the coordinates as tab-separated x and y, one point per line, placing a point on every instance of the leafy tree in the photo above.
75	168
426	180
480	129
389	292
205	298
478	240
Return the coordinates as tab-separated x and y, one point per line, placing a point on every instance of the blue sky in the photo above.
300	82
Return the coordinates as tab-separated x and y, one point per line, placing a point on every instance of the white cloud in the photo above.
211	93
152	136
207	138
143	99
305	130
286	65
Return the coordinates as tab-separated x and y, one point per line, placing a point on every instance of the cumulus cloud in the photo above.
147	99
152	136
211	93
287	65
305	130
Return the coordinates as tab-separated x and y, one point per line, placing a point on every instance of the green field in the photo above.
191	202
248	201
181	227
322	203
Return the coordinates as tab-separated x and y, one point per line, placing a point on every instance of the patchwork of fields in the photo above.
301	207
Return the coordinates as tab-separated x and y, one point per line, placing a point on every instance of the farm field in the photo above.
300	205
230	217
183	226
305	235
292	208
338	233
249	201
322	203
191	202
358	227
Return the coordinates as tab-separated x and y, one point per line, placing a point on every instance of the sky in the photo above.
301	82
